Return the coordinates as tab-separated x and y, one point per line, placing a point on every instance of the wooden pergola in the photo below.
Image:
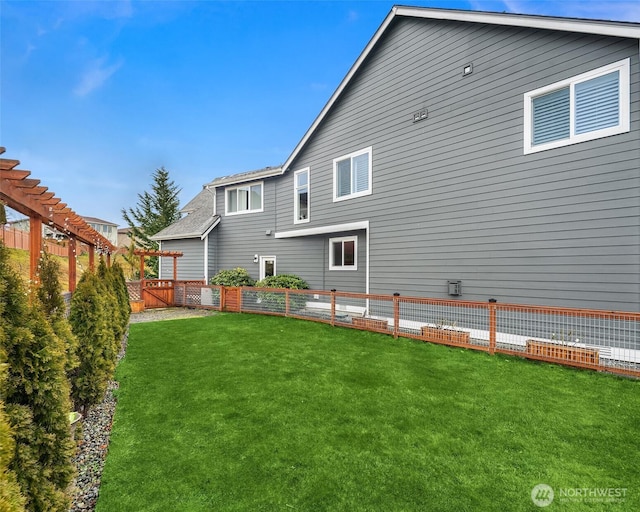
28	197
148	252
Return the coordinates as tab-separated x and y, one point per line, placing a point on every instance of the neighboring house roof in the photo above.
95	220
197	223
605	28
244	177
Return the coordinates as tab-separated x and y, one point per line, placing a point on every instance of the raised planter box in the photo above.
136	306
444	335
553	351
370	324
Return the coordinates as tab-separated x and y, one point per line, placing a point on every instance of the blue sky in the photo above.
96	95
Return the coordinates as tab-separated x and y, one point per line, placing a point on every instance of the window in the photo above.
267	266
301	196
352	175
343	253
245	199
586	107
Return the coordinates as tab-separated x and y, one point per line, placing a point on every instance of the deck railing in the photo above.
599	340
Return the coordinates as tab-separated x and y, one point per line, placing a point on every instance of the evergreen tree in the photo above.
155	211
36	396
96	349
11	499
111	304
122	294
49	292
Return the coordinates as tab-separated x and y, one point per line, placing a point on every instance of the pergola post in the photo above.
141	267
92	258
35	246
72	264
175	268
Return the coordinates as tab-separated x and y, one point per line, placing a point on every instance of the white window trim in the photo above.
263	260
622	66
244	212
296	204
367	192
332	265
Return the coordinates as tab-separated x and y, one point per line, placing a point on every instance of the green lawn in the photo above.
250	413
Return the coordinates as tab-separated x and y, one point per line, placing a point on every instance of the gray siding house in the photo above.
501	151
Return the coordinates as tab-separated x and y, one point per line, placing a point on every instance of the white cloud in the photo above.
97	73
352	16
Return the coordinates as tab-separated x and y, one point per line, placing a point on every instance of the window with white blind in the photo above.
352	175
244	199
586	107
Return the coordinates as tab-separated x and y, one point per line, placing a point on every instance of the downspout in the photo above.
366	231
205	256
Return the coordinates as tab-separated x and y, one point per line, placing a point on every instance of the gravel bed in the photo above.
95	428
155	315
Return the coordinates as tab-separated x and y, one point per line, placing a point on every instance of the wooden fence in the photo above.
598	340
18	239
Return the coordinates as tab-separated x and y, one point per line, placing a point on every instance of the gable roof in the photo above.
242	177
198	221
96	220
585	26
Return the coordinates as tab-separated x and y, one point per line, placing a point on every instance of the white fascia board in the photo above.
584	26
206	233
233	180
324	230
175	237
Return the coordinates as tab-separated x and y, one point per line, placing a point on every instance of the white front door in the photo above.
267	266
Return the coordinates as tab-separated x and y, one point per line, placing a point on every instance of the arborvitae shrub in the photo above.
234	277
122	293
11	500
36	395
90	324
111	304
49	293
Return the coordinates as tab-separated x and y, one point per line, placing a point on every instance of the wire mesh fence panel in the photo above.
310	305
608	341
207	296
264	300
348	306
449	323
179	294
377	313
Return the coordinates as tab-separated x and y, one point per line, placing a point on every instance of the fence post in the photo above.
396	314
223	297
493	324
286	302
239	292
333	307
